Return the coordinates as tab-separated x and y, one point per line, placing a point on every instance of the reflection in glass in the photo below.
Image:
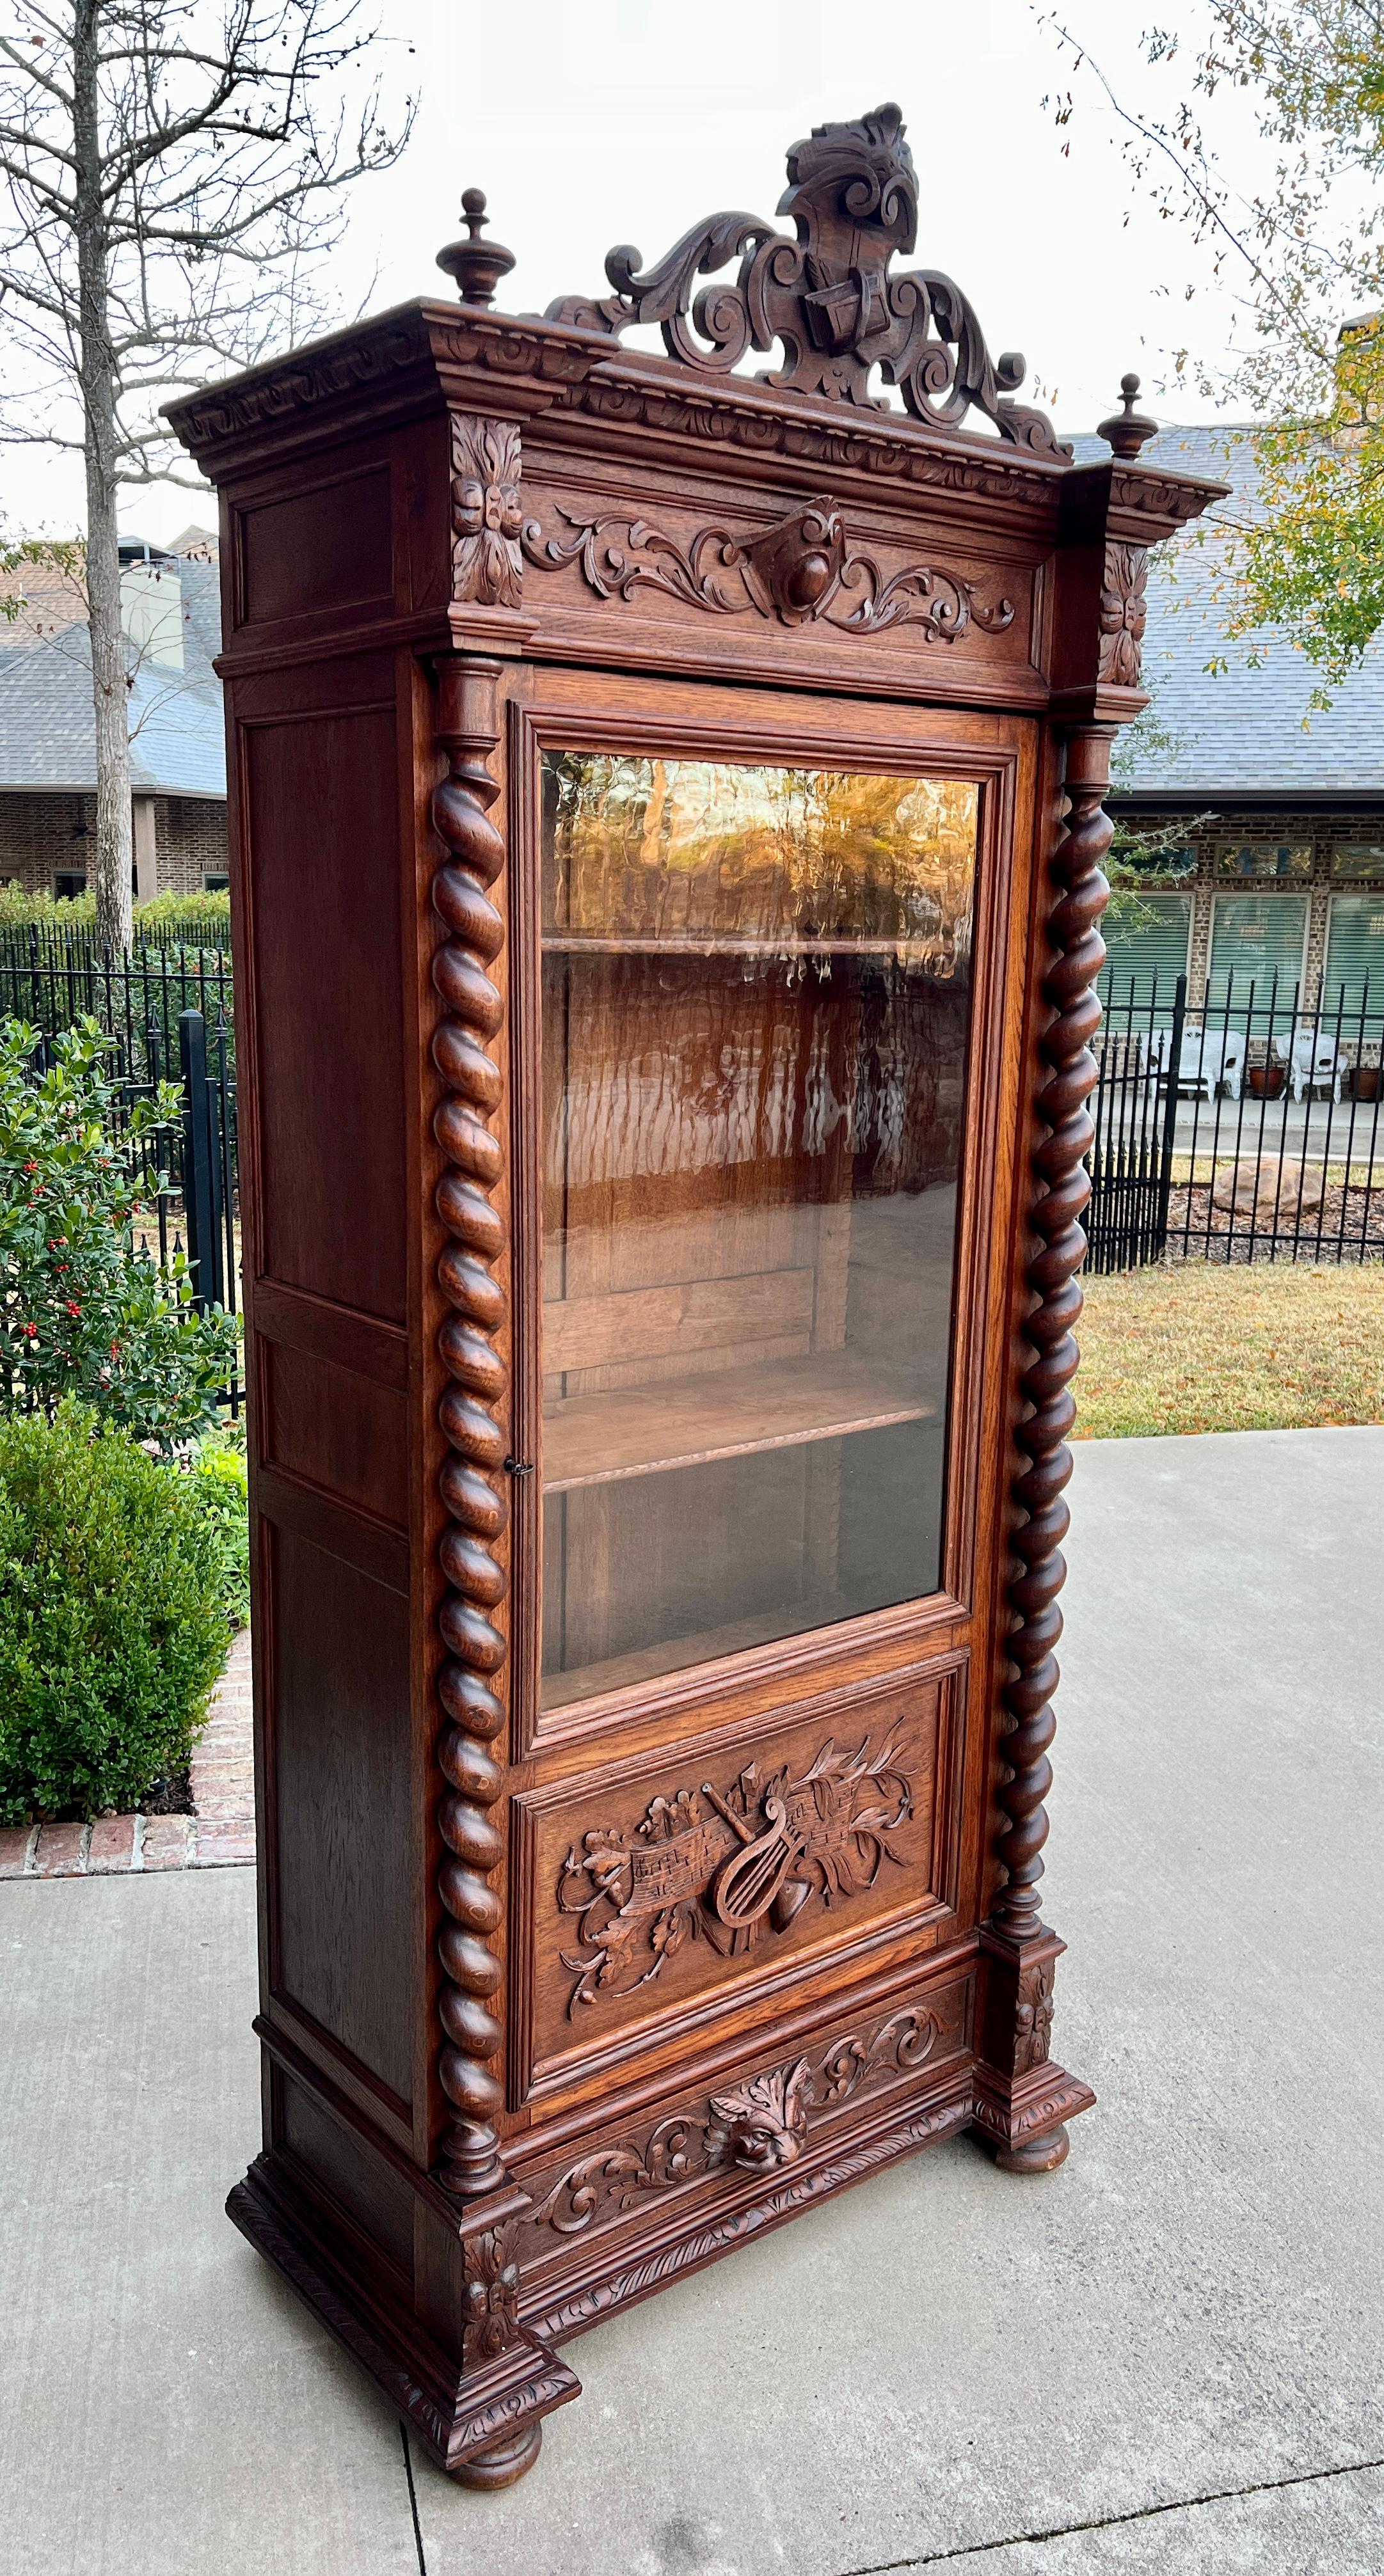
1260	859
756	992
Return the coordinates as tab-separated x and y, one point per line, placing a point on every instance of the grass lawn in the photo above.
1215	1346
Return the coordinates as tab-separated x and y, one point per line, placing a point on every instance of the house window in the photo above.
1358	859
68	883
1257	944
1354	977
1146	938
215	883
1258	860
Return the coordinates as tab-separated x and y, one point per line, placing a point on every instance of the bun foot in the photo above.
502	2463
1042	2154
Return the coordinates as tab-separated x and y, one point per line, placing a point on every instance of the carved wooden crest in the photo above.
829	295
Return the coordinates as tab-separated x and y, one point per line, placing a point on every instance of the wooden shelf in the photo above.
715	944
797	1617
729	1413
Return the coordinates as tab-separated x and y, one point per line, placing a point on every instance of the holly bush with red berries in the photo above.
84	1310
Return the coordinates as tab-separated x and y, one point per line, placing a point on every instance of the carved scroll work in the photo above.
755	2126
471	1482
800	571
829	296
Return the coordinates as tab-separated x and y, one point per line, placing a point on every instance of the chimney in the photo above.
151	603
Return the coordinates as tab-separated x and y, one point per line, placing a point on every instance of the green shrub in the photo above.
219	1487
185	910
111	1625
81	1311
22	904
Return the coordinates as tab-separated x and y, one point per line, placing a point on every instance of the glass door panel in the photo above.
756	997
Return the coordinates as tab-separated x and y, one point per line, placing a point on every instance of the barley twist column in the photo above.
1058	1163
470	1479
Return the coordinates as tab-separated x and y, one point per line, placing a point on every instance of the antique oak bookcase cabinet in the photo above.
666	812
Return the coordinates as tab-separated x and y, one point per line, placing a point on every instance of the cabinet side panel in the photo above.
322	817
340	1729
365	2187
326	547
334	1428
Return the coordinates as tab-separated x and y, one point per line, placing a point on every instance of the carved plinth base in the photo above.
483	2425
1022	2101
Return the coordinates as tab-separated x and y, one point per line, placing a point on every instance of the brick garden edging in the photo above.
221	1835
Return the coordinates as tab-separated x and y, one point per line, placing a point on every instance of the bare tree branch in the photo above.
172	178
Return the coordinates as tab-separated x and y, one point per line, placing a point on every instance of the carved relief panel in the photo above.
762	2125
693	1875
727	582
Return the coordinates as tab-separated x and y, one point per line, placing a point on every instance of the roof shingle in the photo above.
1241	732
47	729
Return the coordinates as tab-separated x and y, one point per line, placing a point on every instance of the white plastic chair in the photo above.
1314	1061
1208	1058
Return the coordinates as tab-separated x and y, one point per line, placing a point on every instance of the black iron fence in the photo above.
53	977
1246	1128
188	1164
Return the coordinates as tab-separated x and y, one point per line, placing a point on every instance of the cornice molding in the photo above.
497	367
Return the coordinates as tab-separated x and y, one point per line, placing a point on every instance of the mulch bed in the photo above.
1348	1226
170	1797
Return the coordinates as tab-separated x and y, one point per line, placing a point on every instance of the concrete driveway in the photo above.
1167	2356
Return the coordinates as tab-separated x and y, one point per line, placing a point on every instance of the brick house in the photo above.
1287	875
172	610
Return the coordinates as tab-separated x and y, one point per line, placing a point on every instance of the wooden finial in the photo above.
1127	429
477	265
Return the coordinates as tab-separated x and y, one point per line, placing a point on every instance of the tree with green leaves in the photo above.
1306	255
172	178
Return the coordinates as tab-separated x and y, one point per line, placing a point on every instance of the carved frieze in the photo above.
304	384
1178	497
882	444
756	2127
800	570
703	1866
647	2271
1123	614
487	512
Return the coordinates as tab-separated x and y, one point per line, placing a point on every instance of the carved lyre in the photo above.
755	1879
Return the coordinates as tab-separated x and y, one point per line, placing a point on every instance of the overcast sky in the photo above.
590	122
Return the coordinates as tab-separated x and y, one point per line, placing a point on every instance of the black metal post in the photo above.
1165	1167
199	1176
